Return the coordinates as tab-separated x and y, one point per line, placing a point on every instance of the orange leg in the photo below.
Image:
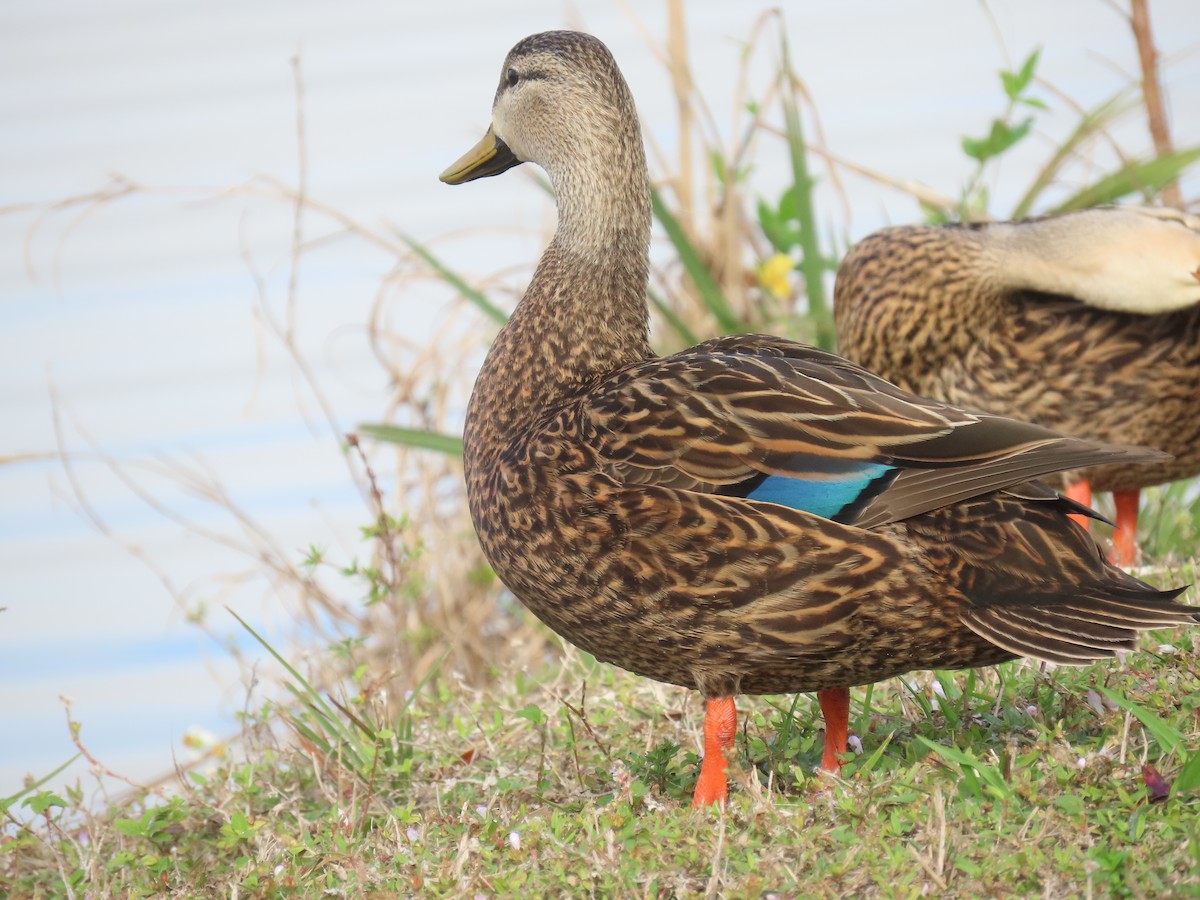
1081	493
720	726
1125	549
835	707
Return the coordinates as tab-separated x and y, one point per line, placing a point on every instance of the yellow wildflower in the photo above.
773	275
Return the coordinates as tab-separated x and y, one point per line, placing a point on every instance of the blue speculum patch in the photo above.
827	496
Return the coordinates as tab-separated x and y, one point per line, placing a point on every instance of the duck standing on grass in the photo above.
1087	323
751	515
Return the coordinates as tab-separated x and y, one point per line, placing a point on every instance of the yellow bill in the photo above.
490	156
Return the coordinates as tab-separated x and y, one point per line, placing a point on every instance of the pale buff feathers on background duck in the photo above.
1087	323
751	515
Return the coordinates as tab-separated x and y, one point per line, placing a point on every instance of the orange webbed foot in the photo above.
720	727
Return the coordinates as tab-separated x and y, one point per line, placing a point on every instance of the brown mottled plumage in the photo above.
619	494
1087	323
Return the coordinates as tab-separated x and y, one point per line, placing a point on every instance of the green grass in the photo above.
578	782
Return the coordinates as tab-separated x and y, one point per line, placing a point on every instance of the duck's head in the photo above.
1120	258
562	103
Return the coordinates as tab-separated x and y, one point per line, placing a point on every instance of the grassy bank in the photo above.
1000	782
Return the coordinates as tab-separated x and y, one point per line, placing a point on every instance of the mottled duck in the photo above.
751	515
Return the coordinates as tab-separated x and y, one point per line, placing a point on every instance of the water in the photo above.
138	323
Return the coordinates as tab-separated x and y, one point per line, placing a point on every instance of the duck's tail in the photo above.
1092	625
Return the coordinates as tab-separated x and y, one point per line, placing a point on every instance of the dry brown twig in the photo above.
1152	95
99	767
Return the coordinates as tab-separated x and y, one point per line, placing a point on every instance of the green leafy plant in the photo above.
1168	738
344	740
979	779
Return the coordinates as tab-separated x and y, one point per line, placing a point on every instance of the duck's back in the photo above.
910	305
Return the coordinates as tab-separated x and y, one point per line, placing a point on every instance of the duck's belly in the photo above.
828	626
721	670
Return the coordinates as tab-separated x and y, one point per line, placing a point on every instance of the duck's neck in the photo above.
584	314
1046	255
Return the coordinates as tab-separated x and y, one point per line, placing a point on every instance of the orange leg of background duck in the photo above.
1081	493
1125	537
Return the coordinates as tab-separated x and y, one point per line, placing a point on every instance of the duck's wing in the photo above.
768	419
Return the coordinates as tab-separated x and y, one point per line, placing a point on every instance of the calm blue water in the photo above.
141	319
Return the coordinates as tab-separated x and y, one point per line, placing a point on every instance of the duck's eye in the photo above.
513	77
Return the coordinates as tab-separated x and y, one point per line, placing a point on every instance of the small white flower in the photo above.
855	744
514	840
197	738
